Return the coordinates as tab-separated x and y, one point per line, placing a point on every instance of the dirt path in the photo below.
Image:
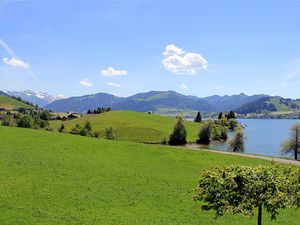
269	158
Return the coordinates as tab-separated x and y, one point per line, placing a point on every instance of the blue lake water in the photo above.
263	136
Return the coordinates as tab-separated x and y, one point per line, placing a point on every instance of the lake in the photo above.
263	136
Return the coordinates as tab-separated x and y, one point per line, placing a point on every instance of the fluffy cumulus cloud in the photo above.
112	84
15	62
111	72
86	83
180	62
183	87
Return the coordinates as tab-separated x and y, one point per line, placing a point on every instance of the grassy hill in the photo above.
132	126
11	103
53	178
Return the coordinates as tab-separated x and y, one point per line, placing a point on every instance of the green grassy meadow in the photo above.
10	103
53	178
132	126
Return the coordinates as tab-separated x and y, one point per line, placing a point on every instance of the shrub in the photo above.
6	121
204	134
237	142
62	128
178	137
49	128
108	133
25	121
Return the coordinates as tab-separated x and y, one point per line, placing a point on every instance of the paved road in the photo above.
269	158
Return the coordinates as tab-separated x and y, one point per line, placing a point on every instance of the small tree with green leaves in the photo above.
240	189
62	128
25	121
178	137
292	145
237	142
108	133
88	125
198	118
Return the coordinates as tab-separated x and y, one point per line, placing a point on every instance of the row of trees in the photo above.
99	110
87	130
210	131
28	120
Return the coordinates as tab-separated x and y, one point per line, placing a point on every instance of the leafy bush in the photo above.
108	133
178	137
6	121
25	121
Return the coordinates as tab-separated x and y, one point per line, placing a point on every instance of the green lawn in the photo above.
133	126
10	103
53	178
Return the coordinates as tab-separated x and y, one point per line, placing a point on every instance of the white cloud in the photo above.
111	72
183	87
112	84
179	62
15	62
86	83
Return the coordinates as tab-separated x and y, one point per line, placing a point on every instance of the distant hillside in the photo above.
154	101
11	103
226	102
40	98
269	104
84	103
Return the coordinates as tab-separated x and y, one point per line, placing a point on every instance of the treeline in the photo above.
26	102
99	110
211	130
87	130
33	119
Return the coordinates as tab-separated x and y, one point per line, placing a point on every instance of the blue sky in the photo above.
195	48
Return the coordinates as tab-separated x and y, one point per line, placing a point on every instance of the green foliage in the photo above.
62	128
238	189
25	121
48	128
45	115
232	124
237	142
211	131
220	115
178	137
88	125
6	120
198	118
292	145
109	133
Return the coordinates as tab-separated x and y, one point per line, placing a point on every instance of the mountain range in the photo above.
39	98
161	101
153	101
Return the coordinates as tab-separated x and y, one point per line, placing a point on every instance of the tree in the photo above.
62	128
89	112
88	125
240	189
204	134
6	121
237	142
108	133
220	115
198	118
25	121
231	115
178	137
292	145
45	115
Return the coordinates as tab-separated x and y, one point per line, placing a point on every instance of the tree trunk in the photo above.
259	216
